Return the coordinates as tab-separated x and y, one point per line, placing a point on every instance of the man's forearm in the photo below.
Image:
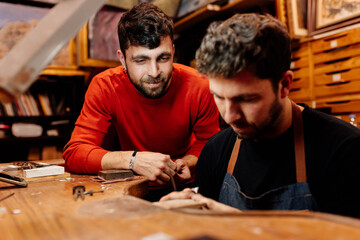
116	160
155	166
121	160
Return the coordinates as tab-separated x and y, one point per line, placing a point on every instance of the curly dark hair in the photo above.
144	25
256	43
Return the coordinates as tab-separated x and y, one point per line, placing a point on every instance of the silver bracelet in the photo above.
132	160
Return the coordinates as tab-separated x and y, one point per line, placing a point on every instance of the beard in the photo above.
259	130
156	91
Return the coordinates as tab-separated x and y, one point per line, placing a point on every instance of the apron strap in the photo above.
234	156
298	142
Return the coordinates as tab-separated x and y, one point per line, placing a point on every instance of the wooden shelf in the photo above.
63	87
42	140
33	118
63	71
343	97
208	12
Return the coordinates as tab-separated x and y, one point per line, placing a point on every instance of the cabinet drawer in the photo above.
300	83
299	50
337	40
346	117
300	94
343	106
343	76
301	72
333	67
337	89
337	53
307	102
299	62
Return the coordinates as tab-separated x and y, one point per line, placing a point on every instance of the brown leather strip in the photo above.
234	156
299	143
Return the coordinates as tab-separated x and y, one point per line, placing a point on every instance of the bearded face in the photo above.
150	70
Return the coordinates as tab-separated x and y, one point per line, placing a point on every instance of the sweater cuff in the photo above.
94	165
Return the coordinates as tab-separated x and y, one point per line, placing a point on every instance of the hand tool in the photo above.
173	182
79	191
2	199
12	179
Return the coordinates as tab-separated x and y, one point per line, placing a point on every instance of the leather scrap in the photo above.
104	181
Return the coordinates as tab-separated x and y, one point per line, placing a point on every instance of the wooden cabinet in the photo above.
329	75
190	30
53	101
212	11
300	64
337	64
65	98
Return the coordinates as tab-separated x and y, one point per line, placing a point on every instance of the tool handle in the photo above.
13	180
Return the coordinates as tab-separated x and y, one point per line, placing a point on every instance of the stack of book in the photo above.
28	104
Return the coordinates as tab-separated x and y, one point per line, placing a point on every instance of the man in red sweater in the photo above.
161	112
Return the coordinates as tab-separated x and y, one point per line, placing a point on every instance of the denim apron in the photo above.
296	196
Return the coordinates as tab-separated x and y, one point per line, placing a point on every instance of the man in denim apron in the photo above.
276	155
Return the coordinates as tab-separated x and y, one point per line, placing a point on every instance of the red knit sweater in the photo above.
179	123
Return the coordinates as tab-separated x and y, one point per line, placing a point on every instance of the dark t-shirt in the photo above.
332	150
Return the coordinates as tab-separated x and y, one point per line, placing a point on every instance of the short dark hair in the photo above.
256	43
144	25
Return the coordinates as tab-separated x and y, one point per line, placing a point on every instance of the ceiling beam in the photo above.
22	65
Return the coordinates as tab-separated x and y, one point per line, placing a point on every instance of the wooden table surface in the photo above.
47	210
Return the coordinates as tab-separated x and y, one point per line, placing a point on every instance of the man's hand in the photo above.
187	193
185	167
182	170
156	167
211	204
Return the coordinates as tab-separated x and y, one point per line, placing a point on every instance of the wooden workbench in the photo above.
47	210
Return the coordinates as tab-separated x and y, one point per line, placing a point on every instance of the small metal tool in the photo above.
2	199
12	179
173	182
79	191
31	165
